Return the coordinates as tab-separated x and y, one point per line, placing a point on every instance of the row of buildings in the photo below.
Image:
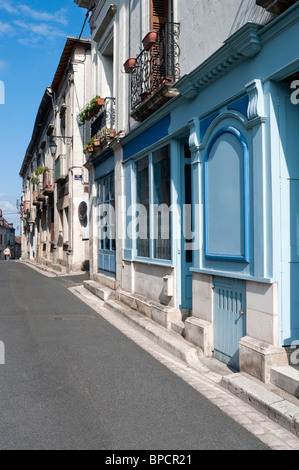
164	160
9	239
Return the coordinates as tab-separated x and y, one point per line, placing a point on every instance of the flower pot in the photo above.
97	143
149	40
100	101
98	105
129	64
112	134
90	148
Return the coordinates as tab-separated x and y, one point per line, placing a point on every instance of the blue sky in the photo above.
32	38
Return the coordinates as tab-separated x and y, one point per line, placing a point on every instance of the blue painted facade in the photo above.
236	115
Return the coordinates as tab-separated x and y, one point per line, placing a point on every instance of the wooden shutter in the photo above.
159	14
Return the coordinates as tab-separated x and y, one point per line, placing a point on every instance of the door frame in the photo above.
179	181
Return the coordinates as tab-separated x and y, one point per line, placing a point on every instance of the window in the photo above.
162	203
142	172
153	201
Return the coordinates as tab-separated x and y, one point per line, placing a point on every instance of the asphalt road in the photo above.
72	381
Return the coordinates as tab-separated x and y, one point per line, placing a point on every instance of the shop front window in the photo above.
153	203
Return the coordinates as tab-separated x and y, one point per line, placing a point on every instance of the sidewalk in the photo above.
278	405
51	271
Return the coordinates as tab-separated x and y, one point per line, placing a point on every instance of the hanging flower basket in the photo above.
129	64
149	40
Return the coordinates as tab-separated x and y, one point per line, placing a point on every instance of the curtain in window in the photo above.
162	203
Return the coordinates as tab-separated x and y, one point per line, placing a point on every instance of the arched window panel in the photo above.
227	197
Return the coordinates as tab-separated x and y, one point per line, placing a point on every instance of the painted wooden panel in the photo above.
229	319
227	197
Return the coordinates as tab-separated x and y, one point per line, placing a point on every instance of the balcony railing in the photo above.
157	66
60	168
25	208
48	184
105	119
275	6
31	215
40	192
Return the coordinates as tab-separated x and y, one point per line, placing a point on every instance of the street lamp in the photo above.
53	147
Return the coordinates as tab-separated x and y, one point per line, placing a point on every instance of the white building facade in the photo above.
202	122
55	182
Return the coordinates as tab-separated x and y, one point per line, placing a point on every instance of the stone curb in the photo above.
278	409
40	267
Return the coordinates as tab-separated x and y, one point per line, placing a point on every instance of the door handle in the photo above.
241	313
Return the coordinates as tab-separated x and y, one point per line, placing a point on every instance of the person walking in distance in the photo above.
7	253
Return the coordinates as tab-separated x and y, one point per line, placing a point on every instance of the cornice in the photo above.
84	3
97	35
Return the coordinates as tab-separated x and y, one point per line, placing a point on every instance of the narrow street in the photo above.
73	381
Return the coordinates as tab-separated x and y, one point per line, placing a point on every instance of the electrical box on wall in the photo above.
168	285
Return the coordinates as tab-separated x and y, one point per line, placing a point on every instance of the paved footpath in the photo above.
77	377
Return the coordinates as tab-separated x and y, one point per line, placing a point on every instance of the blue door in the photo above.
229	319
186	229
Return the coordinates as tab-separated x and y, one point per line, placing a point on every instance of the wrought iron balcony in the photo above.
276	6
25	208
105	119
40	192
156	70
61	169
48	185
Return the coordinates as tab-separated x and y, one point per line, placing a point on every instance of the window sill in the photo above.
154	262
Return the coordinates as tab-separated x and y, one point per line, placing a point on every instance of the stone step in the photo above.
161	314
179	327
104	280
286	378
102	292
